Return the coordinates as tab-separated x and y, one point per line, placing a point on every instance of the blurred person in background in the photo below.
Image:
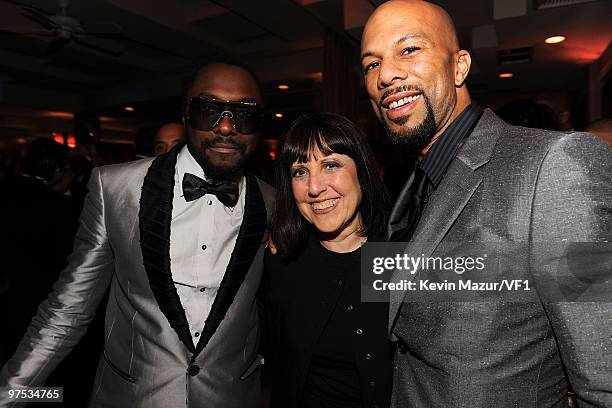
38	226
73	182
529	113
262	164
168	136
143	143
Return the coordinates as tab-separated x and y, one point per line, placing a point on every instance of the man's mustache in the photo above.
403	88
224	143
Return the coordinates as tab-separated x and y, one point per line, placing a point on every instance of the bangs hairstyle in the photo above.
330	133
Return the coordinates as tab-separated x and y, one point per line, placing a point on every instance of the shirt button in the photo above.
197	334
372	384
209	202
202	289
193	370
340	282
368	356
204	247
350	308
359	331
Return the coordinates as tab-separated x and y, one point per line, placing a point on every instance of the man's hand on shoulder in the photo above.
271	246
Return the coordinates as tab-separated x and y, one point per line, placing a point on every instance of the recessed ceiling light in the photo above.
506	75
278	115
283	87
129	108
556	39
71	141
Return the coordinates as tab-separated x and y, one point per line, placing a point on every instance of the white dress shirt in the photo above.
203	235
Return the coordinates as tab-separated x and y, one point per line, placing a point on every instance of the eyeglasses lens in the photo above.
205	115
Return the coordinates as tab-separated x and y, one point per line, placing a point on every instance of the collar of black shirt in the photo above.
436	161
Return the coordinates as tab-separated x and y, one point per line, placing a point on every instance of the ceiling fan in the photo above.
65	29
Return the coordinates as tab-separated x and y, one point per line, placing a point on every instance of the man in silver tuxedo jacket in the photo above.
180	240
546	197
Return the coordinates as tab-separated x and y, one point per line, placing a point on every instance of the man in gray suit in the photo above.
180	240
478	180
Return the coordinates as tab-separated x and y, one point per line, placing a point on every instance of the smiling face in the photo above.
414	71
168	136
222	151
327	192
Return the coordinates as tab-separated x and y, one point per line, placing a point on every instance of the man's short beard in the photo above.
219	172
412	141
223	173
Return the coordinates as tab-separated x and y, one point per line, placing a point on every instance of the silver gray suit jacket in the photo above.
551	193
149	359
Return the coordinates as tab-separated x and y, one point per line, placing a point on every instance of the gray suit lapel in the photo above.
441	212
448	201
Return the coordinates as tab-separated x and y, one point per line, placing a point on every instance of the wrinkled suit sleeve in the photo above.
572	260
63	317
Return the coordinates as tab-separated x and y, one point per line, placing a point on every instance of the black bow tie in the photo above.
194	188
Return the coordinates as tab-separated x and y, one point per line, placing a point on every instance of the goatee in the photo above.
413	140
219	171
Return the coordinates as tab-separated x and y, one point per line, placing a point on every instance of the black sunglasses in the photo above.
206	113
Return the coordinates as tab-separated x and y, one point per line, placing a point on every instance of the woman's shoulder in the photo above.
279	267
273	262
283	277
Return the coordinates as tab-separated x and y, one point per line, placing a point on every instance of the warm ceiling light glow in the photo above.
129	108
21	140
58	137
54	114
283	87
556	39
71	141
316	76
278	115
506	75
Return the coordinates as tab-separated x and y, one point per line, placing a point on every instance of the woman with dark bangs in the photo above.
325	347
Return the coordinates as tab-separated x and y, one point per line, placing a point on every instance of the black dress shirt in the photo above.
429	172
439	157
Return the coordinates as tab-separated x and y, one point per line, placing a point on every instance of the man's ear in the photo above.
463	62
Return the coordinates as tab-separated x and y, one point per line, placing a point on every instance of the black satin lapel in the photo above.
247	243
155	216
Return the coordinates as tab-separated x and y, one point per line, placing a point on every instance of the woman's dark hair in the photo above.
330	133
